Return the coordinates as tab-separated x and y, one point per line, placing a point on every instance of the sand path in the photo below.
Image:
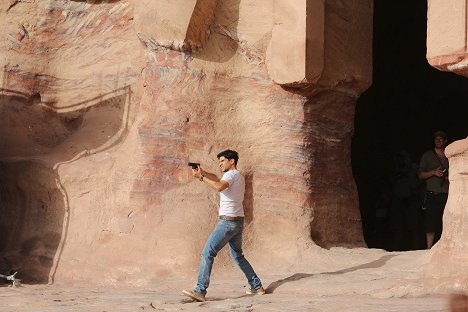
387	282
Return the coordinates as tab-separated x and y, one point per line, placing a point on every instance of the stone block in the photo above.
175	24
448	266
447	35
295	52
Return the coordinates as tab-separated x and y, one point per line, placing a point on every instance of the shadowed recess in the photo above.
35	139
408	101
32	210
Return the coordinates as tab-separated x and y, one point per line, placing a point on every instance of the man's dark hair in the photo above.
229	154
441	134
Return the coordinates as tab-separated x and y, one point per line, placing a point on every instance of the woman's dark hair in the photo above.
229	154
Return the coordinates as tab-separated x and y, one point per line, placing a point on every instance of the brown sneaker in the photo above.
258	291
194	295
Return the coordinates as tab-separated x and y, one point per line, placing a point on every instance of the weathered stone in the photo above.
447	35
182	25
112	118
447	50
448	266
295	53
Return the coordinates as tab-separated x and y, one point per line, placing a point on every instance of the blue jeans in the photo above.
225	232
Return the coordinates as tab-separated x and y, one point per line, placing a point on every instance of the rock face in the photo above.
447	50
104	103
447	35
449	258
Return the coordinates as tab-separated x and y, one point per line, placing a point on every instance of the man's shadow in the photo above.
298	276
248	198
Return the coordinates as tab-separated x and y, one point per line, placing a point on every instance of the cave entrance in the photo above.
408	101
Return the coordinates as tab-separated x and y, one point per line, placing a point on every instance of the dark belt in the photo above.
228	218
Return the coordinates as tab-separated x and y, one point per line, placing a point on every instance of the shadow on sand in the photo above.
298	276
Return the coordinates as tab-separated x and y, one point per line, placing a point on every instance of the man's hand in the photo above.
210	179
439	172
197	173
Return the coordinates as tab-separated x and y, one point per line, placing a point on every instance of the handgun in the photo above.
194	165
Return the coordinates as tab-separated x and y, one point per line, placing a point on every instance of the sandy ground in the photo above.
392	282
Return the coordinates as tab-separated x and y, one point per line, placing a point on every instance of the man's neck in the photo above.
440	150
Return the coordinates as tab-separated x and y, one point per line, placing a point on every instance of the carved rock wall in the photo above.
447	39
447	270
108	100
448	265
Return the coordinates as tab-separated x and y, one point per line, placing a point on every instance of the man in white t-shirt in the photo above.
230	226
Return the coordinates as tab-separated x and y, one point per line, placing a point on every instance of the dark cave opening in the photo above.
408	101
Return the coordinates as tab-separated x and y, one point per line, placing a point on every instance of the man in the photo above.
230	226
433	168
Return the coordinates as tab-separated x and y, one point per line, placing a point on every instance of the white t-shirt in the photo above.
231	199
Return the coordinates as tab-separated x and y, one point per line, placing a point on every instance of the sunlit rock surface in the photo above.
447	44
447	35
448	267
104	102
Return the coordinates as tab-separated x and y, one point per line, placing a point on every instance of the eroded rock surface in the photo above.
447	43
447	35
108	100
448	267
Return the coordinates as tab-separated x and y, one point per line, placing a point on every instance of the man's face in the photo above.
225	164
439	141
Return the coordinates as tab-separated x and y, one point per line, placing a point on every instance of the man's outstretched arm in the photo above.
209	175
210	179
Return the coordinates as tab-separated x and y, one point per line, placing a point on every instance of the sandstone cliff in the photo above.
104	102
447	50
